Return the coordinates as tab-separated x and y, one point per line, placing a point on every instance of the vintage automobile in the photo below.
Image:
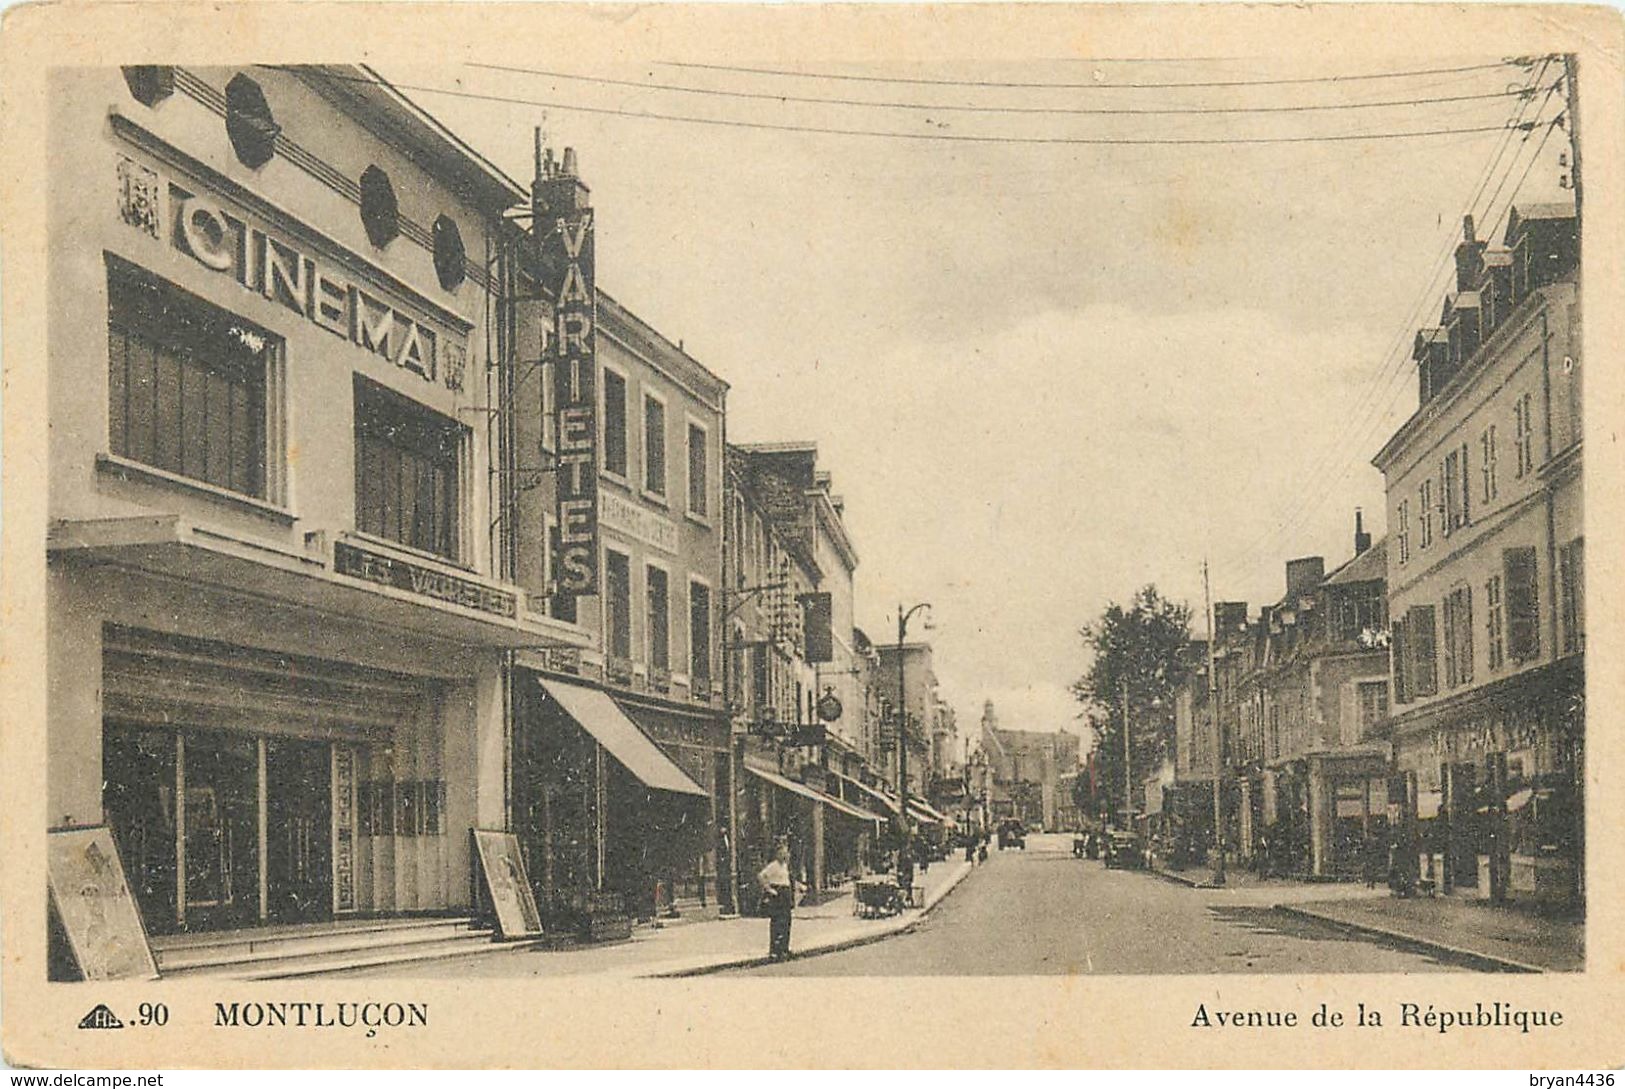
1123	851
1012	833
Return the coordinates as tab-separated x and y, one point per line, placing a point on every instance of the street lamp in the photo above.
903	617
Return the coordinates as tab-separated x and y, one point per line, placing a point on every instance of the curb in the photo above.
854	942
1181	879
1483	962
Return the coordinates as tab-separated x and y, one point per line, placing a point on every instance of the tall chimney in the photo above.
1362	539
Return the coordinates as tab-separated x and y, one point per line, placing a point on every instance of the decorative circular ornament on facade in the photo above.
380	211
450	256
829	707
249	124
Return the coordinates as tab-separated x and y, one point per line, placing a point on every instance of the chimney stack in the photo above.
1362	539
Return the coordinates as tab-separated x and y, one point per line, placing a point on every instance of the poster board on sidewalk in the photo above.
506	882
93	900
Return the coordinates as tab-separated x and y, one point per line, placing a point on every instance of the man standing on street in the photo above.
779	900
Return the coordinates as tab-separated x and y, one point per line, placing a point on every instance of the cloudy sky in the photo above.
1043	374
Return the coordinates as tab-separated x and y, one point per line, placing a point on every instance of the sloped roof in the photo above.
1369	566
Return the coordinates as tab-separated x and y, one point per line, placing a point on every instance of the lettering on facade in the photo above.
219	239
375	567
634	521
575	395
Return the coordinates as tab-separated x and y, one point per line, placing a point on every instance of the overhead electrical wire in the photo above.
945	137
1383	385
1092	85
769	96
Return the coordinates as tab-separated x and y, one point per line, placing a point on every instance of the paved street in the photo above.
1043	912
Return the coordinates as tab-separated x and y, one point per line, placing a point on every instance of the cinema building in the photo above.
280	624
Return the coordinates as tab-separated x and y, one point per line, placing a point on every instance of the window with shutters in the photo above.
1403	535
1522	604
1424	511
1450	477
654	445
1571	559
186	383
1494	622
614	423
618	603
1399	649
699	635
1421	634
659	617
1373	704
1486	462
407	469
1523	441
1458	637
699	476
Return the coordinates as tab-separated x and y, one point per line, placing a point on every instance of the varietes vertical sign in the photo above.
568	249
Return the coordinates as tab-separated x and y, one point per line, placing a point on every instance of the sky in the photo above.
1043	374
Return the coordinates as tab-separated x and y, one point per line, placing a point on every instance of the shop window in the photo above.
1522	597
618	603
614	423
1571	560
654	445
186	383
249	124
380	211
659	618
408	461
699	635
699	483
450	256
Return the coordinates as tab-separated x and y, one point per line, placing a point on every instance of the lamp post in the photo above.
903	617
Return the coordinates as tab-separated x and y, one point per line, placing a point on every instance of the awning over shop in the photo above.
924	812
882	800
603	718
805	791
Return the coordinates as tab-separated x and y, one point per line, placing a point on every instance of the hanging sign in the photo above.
575	393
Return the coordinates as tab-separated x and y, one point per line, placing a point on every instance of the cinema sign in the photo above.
575	392
218	238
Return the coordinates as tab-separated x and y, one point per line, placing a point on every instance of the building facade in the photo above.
280	629
1486	574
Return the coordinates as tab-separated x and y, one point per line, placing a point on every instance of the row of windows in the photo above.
1427	638
252	130
618	603
653	478
187	393
1445	502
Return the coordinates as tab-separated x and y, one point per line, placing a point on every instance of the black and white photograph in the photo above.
747	509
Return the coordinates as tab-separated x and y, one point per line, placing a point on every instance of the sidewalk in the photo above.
1491	938
698	947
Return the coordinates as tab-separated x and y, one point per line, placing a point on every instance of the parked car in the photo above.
1012	834
1123	851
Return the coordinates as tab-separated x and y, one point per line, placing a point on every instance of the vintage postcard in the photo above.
811	536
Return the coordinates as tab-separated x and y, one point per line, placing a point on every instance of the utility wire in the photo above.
1054	141
769	96
1383	386
1093	85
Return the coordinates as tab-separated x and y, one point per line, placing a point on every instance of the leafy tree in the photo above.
1147	645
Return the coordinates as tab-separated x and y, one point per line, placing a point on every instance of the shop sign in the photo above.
575	393
375	567
625	516
220	239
